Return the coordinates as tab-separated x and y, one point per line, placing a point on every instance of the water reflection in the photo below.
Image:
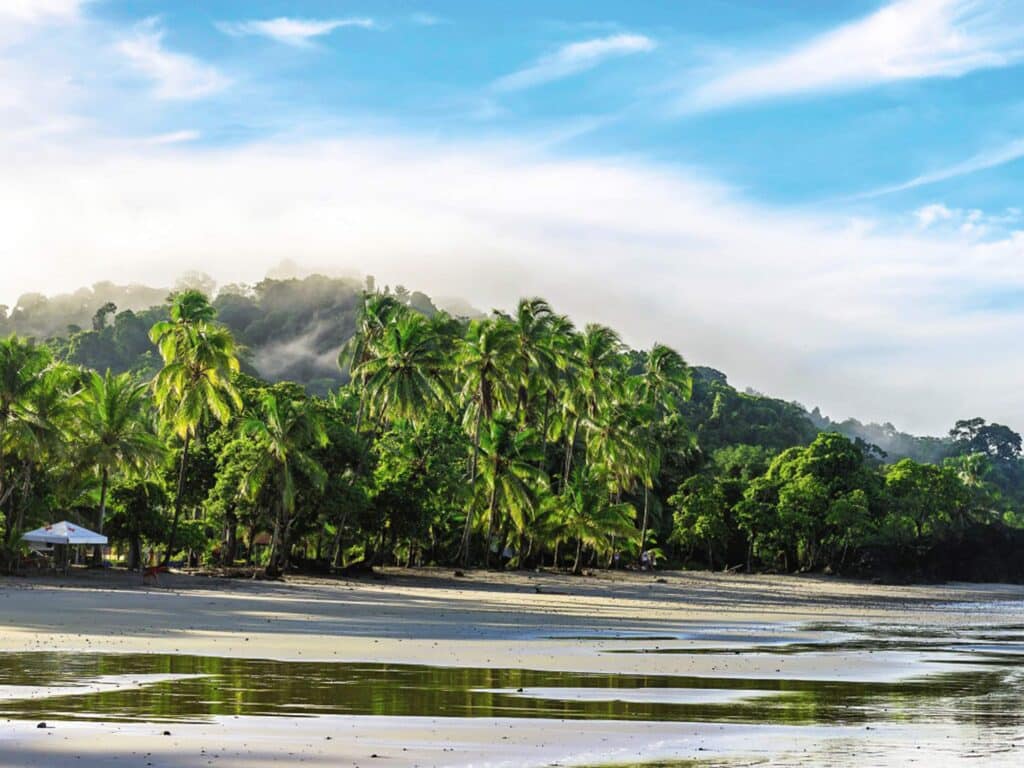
992	696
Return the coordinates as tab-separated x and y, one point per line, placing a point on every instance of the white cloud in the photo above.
904	40
970	222
427	19
296	32
930	214
174	137
574	58
175	76
33	11
990	158
805	307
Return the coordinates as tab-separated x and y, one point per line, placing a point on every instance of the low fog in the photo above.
827	311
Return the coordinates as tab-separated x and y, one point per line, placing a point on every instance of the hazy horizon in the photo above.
791	197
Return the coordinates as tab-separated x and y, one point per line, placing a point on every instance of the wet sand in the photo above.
530	621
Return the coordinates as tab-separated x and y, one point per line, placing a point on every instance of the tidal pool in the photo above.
989	692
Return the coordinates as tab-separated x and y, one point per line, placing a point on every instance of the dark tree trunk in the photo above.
643	526
97	552
230	551
177	501
491	520
579	553
467	533
336	548
279	547
134	551
571	440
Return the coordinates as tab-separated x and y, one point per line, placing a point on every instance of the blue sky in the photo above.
823	199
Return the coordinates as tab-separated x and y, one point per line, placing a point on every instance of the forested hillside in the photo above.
321	422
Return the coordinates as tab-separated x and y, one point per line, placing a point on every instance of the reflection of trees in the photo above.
278	688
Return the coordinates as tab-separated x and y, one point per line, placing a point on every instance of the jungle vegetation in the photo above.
319	424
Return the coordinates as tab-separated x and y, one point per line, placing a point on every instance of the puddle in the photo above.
205	687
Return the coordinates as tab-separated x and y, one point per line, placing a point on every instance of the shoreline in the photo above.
491	620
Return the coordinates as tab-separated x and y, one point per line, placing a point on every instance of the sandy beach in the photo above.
527	621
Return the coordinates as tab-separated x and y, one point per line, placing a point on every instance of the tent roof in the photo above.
64	533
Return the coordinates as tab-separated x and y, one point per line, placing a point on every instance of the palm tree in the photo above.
533	358
285	432
23	367
378	310
407	372
484	362
200	359
666	380
665	383
585	513
511	478
614	444
596	359
112	432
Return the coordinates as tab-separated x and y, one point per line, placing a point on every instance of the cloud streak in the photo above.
298	33
982	161
175	76
573	59
908	39
32	11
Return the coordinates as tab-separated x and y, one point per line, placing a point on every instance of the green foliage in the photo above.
700	513
512	434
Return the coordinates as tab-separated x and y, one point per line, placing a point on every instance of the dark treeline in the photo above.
411	436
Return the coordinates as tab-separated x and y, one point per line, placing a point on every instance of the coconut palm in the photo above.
285	431
112	432
200	359
23	367
511	478
615	446
378	310
533	358
596	363
484	361
666	380
665	383
586	514
407	372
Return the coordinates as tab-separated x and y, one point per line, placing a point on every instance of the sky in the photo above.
823	200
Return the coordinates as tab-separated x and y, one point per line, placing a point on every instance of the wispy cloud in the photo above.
574	58
30	11
175	137
904	40
990	158
427	19
971	222
295	32
176	76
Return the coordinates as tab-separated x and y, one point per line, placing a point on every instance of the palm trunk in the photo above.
468	530
18	513
579	553
230	539
491	505
643	526
177	501
568	457
97	552
336	550
134	551
279	545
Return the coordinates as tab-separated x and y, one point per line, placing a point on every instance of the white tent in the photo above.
64	533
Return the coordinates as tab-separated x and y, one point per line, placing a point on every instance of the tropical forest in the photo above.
330	425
